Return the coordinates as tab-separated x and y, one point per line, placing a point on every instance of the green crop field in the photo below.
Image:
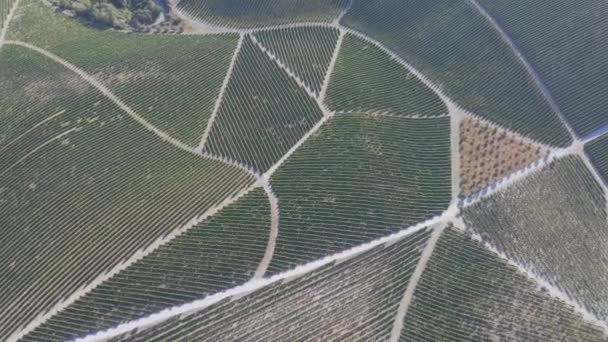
66	192
303	170
561	205
256	13
307	51
214	255
264	111
565	41
366	79
319	306
173	82
459	51
468	294
360	177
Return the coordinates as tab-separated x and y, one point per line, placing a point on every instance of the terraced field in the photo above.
458	49
364	312
467	293
260	13
565	43
574	218
305	170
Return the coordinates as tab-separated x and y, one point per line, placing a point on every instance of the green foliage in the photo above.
453	45
358	178
214	255
467	293
367	79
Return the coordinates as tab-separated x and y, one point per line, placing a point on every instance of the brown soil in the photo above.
488	154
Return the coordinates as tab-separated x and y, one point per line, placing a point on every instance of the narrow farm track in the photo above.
107	92
413	282
133	259
7	22
258	284
552	290
450	215
274	231
533	74
282	65
220	96
332	65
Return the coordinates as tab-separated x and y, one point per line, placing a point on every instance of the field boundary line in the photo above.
274	231
553	291
529	69
7	22
336	21
405	302
283	66
107	92
110	95
457	115
140	254
330	68
256	284
220	97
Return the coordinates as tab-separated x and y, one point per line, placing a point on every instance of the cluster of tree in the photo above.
119	14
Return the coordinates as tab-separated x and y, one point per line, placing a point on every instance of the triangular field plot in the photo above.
467	293
306	50
553	222
367	79
488	153
264	112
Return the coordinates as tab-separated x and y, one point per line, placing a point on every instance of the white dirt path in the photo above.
274	231
413	283
105	91
330	68
128	262
257	284
220	97
10	143
543	283
7	22
38	148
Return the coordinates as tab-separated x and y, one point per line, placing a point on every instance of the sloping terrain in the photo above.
291	310
565	43
289	170
554	222
259	13
264	112
74	210
358	179
456	47
214	255
467	293
367	79
305	50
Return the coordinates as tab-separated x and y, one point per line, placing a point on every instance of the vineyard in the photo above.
456	48
259	13
298	170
